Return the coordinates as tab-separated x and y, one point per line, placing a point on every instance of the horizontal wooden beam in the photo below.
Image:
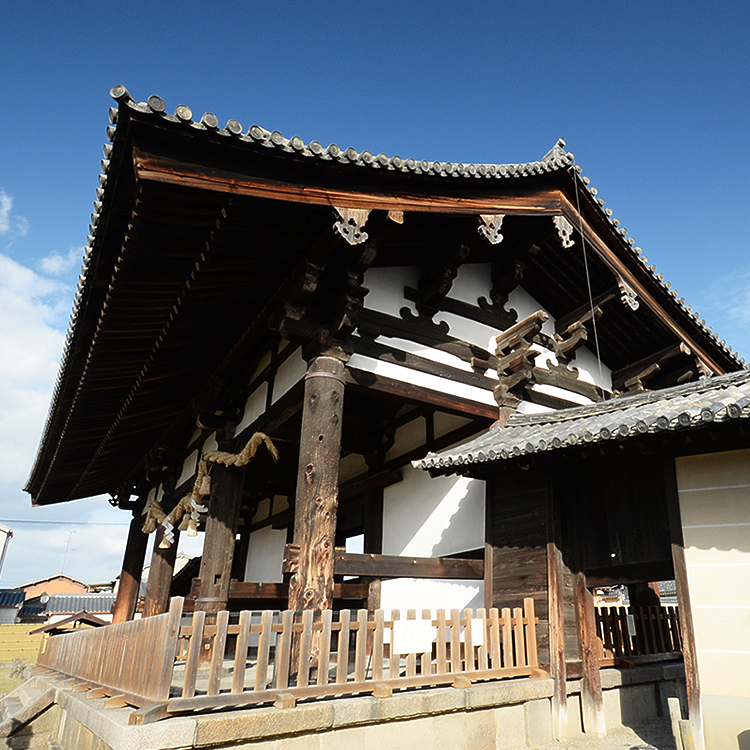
394	566
250	590
162	169
369	381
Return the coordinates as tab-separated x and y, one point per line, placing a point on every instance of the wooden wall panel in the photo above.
517	535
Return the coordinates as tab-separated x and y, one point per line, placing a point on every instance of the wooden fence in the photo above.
638	633
234	660
131	661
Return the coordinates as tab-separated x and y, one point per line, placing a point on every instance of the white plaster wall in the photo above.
211	444
189	466
265	555
254	406
714	492
386	287
290	372
430	517
473	280
8	615
426	517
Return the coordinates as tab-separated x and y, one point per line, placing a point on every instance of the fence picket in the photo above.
507	639
377	645
195	645
284	651
360	648
469	664
455	626
324	647
394	661
305	644
426	656
342	652
441	664
530	632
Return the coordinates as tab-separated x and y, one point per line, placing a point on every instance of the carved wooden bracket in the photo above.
490	227
516	359
627	294
564	229
632	379
351	224
436	281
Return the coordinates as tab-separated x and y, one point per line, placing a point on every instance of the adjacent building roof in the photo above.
724	398
11	597
71	603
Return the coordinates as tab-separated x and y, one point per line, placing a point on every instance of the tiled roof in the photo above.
11	597
722	398
70	603
556	160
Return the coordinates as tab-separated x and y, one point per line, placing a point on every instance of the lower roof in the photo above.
723	398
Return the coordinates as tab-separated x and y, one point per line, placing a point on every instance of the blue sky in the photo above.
652	97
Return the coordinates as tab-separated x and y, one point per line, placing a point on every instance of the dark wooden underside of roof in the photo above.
181	273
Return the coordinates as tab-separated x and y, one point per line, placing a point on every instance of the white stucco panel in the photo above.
386	287
431	517
254	407
419	593
290	372
265	555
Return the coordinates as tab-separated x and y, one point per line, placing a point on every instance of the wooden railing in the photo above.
638	633
285	657
225	660
132	661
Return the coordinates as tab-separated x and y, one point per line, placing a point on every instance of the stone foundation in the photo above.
506	714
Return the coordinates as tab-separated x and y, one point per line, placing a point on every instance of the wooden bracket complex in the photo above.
564	229
516	358
490	227
351	224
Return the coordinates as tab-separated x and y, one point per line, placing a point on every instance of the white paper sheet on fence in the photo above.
412	636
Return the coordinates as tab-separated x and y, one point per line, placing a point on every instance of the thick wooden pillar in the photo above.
130	576
592	701
227	483
160	574
311	587
557	664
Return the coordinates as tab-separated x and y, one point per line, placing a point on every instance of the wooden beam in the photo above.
648	366
369	381
583	312
132	569
394	566
227	483
164	170
316	501
252	591
592	700
160	574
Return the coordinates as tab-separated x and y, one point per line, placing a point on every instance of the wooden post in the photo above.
557	665
132	568
687	633
227	483
592	701
160	574
311	587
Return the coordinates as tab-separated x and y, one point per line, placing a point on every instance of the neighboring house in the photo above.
11	602
363	312
57	584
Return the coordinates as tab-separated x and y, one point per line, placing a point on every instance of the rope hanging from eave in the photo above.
185	514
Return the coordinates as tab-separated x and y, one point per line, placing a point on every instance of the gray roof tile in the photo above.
722	398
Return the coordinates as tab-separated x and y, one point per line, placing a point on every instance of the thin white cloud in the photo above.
58	265
10	223
726	304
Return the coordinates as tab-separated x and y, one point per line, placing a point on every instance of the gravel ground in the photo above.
655	735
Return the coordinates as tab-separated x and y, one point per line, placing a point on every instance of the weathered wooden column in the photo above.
592	700
227	483
130	576
160	574
557	664
311	586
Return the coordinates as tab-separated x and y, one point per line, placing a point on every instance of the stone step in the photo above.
9	707
28	692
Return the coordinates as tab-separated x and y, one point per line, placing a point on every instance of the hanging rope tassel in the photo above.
185	515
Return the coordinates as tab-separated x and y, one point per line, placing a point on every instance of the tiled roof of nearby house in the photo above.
719	399
71	603
11	597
